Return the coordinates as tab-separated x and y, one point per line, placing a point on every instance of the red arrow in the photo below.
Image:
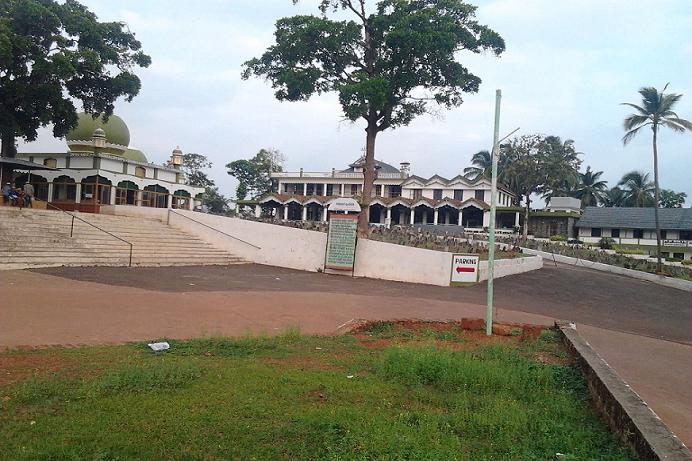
466	269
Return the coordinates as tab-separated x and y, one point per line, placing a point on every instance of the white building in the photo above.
399	198
637	226
99	168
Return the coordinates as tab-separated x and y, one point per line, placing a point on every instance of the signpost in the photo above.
341	242
464	269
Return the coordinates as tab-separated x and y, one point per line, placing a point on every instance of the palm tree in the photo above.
614	197
638	189
656	111
482	166
591	189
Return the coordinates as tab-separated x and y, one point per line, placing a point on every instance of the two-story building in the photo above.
399	198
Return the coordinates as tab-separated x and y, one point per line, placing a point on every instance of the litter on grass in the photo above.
158	347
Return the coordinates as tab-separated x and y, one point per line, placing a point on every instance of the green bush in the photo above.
687	262
674	260
558	238
606	243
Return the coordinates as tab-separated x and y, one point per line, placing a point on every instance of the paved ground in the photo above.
641	329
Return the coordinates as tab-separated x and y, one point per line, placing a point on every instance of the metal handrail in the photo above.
209	227
92	225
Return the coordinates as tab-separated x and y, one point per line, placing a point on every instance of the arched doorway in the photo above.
295	211
472	217
155	196
423	215
401	214
377	213
448	215
126	193
64	189
181	200
96	189
39	182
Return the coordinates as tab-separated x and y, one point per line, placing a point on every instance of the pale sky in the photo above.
568	65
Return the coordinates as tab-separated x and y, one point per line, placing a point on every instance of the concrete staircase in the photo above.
41	238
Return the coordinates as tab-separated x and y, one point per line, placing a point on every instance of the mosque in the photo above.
99	168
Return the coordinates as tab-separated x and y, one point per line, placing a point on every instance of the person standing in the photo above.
6	190
28	195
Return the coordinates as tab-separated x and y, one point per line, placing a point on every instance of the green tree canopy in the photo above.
254	175
387	66
591	189
672	199
638	189
53	53
194	166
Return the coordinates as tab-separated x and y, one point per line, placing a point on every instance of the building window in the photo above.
638	233
50	163
458	194
330	189
417	193
140	172
437	194
664	234
679	255
395	191
685	235
480	195
378	191
595	232
615	233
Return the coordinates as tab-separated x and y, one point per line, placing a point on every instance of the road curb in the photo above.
625	412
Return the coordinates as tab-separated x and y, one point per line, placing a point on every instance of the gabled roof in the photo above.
636	218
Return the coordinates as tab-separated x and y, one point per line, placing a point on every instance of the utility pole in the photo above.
493	205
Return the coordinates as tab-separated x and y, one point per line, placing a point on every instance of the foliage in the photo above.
638	189
387	67
53	53
538	164
558	238
606	243
418	400
590	188
193	166
254	175
482	166
613	197
672	199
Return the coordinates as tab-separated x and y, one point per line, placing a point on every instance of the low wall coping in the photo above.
670	282
626	413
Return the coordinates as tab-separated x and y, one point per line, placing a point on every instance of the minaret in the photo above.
98	139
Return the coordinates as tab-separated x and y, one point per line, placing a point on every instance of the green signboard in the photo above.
341	242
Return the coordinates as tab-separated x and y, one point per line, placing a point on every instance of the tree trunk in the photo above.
8	148
368	180
656	199
526	216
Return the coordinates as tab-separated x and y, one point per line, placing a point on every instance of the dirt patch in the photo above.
17	367
551	359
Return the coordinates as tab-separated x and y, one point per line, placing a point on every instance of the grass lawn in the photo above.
390	392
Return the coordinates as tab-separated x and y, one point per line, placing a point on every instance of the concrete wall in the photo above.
159	214
278	245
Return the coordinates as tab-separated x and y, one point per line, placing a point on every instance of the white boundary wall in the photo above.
672	282
300	249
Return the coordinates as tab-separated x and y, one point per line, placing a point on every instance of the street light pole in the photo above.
493	205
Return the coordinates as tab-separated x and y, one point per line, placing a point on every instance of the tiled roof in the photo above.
387	201
380	166
636	218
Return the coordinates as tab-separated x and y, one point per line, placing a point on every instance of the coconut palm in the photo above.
614	197
482	166
638	189
656	111
590	188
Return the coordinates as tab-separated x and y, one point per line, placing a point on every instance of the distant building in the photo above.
637	226
558	218
99	168
398	197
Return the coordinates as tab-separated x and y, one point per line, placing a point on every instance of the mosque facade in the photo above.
100	168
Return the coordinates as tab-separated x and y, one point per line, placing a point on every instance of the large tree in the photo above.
536	164
614	197
387	66
481	168
655	111
672	199
53	54
638	189
591	189
254	175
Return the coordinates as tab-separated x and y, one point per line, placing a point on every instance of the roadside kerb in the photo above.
625	412
670	282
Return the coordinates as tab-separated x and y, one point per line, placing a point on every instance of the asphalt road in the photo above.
585	296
